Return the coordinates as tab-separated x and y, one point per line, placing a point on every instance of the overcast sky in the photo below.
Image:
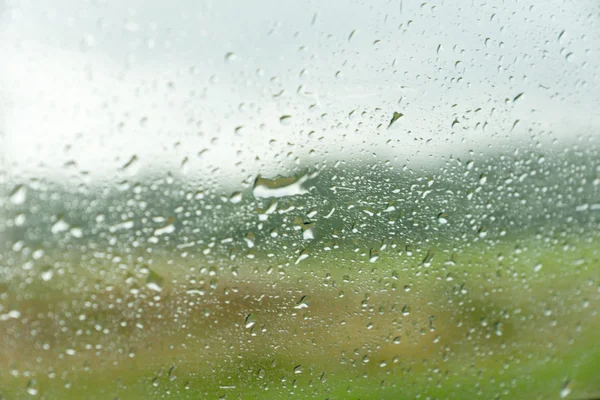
86	86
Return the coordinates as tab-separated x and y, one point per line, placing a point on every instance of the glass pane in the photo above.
276	199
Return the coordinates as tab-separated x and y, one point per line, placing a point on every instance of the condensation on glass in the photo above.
277	199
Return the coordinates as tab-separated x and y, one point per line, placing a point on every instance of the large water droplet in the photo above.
281	187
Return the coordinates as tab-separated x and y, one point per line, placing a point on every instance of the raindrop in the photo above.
406	310
131	164
566	390
235	197
154	281
18	195
442	218
31	389
308	231
230	56
249	239
47	273
395	118
302	256
250	321
59	226
373	255
285	119
280	187
303	302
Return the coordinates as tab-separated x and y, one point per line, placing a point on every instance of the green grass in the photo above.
450	343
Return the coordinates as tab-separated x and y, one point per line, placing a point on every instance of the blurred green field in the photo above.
468	324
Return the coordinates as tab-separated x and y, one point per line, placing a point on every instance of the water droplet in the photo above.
59	226
303	302
31	389
154	281
170	228
537	267
298	369
442	218
250	321
230	56
47	273
249	239
235	197
121	226
428	258
397	340
131	164
482	179
171	374
308	231
566	390
406	310
302	256
280	187
285	119
18	195
373	255
395	118
517	97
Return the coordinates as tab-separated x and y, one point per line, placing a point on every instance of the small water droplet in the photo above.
303	302
47	273
31	389
373	255
235	197
59	226
249	239
395	118
18	195
302	256
298	369
428	258
230	56
482	179
131	164
566	390
537	267
154	281
285	119
250	321
442	218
